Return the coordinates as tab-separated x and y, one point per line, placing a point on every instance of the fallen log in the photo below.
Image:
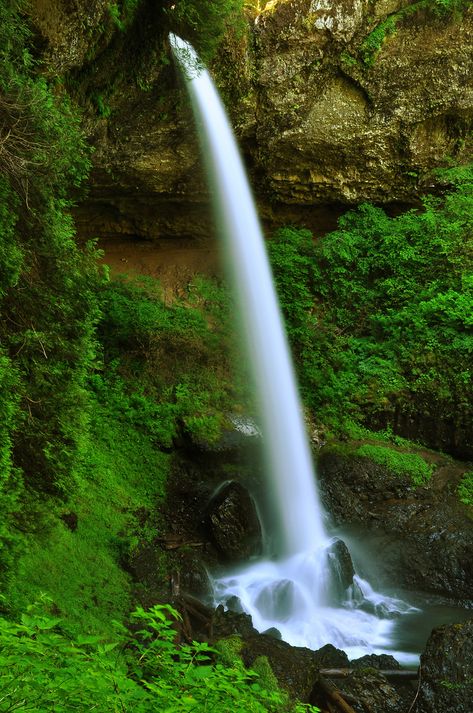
204	611
333	695
407	675
175	543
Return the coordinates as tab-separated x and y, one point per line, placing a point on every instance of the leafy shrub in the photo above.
143	672
42	667
47	287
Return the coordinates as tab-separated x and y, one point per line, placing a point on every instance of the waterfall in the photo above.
287	452
294	592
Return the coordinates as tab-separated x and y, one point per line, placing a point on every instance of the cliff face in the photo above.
333	102
339	119
68	29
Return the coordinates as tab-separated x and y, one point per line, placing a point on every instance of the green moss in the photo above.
266	677
103	109
121	473
465	489
348	60
229	649
376	38
448	7
398	462
205	22
123	12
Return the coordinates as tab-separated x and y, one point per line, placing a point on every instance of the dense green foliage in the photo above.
99	378
47	286
161	370
120	478
141	672
96	378
379	312
174	358
123	12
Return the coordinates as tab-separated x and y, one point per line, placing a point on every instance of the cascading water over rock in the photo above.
297	591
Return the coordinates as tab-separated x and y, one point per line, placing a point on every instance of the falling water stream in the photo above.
298	588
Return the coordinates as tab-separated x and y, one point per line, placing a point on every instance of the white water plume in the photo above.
289	460
296	592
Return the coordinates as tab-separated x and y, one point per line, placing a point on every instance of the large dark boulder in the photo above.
201	512
447	670
294	667
231	623
331	657
234	524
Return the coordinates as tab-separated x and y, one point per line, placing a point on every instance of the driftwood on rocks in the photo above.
345	672
335	698
190	609
176	542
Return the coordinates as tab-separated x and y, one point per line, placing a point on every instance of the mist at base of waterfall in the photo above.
303	600
287	595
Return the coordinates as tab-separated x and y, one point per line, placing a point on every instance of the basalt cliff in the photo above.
333	103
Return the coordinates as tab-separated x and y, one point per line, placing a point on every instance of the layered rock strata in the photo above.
333	102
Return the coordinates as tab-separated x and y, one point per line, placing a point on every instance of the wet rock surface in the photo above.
341	564
447	670
233	523
370	691
423	422
330	657
422	537
338	120
67	29
210	515
241	435
381	662
229	623
297	669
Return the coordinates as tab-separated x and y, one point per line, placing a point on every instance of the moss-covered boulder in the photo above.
447	670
